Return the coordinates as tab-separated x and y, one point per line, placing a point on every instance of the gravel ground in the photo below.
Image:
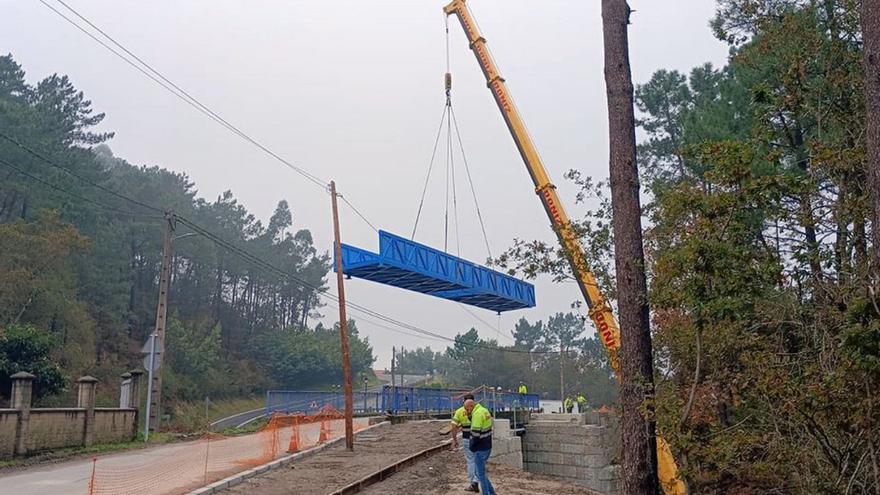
444	474
336	467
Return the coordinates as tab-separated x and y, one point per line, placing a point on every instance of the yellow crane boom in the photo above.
599	309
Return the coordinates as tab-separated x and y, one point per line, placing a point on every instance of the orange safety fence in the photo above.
175	469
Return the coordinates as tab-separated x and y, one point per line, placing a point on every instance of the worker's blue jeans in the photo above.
480	458
469	458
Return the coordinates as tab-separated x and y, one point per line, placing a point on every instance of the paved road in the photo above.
157	470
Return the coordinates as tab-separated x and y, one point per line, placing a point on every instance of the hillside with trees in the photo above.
79	266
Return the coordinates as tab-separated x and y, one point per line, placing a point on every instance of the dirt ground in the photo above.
334	468
444	474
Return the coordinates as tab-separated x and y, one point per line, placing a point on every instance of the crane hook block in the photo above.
448	82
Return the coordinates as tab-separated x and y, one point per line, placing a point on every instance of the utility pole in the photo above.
152	365
343	326
393	383
155	414
562	375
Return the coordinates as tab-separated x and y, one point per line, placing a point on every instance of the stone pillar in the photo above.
125	390
86	400
136	376
22	389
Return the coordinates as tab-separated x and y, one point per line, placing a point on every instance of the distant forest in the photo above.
79	266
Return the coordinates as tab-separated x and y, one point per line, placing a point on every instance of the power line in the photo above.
250	257
86	180
346	201
323	292
149	71
72	194
184	96
180	92
496	329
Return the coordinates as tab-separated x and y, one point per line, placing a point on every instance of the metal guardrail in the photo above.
422	399
297	401
397	400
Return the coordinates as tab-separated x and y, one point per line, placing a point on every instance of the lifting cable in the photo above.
448	119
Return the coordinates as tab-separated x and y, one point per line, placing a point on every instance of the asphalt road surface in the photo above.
154	471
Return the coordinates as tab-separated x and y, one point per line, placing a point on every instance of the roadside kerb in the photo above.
269	466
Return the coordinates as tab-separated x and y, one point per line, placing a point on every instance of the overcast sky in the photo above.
353	91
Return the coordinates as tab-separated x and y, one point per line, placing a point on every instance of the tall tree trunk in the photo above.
636	367
871	37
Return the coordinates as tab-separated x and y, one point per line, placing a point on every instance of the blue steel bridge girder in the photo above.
409	265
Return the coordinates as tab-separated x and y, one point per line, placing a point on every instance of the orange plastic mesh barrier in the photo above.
175	469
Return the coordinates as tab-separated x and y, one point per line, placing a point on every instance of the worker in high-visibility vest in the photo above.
568	404
481	442
523	389
582	403
461	421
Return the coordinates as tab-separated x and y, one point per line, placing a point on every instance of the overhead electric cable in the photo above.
166	84
86	180
160	79
496	329
346	201
72	194
323	292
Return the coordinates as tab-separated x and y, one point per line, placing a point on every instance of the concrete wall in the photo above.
24	430
55	428
8	422
115	425
506	447
581	448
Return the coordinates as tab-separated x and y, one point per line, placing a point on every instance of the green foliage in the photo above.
419	361
312	358
765	317
758	247
83	267
528	335
534	359
25	348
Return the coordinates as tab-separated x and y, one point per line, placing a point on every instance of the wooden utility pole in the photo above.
562	375
343	326
636	366
155	416
870	19
393	353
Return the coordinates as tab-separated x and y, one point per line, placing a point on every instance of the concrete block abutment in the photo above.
579	448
